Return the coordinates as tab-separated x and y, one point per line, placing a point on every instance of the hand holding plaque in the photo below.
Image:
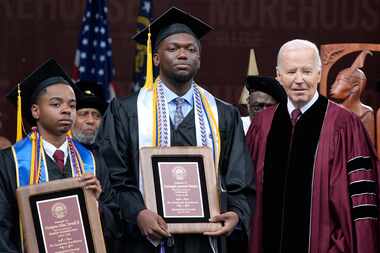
91	182
152	225
180	185
60	216
229	220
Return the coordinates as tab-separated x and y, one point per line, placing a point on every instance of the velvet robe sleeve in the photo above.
256	141
235	166
9	222
354	190
114	144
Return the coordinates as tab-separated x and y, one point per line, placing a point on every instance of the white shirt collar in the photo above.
304	108
50	149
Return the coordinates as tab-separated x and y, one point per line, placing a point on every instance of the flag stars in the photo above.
94	60
146	6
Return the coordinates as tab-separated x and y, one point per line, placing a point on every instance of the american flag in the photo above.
93	58
139	67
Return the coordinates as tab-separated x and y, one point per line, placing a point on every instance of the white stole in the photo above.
157	127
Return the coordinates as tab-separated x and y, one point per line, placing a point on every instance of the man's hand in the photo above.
90	182
229	220
152	225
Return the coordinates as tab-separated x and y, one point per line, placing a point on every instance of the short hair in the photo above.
37	96
157	43
300	44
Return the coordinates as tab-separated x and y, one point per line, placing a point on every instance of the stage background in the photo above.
32	31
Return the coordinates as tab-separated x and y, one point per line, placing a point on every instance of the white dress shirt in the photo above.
304	108
171	96
50	149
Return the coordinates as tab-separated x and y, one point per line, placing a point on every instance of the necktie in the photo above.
296	114
59	157
178	114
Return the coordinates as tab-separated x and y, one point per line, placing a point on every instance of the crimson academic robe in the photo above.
341	198
118	142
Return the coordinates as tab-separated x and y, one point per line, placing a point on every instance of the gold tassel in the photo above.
19	115
149	64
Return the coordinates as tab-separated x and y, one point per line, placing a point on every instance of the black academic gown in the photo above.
118	142
109	216
9	215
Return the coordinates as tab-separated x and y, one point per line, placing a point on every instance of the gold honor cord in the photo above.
19	115
149	63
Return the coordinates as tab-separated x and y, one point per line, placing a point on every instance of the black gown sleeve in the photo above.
9	219
109	210
235	166
114	144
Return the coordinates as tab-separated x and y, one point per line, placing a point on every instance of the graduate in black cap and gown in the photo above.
91	105
175	111
264	91
48	104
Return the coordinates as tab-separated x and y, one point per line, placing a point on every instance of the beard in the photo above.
180	77
87	139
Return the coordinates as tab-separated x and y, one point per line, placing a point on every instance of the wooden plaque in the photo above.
180	184
60	216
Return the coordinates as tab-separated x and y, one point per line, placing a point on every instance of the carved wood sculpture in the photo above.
330	54
348	89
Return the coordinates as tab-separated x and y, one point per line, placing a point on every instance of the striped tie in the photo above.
178	114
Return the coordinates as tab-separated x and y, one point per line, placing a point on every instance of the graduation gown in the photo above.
316	184
9	216
118	142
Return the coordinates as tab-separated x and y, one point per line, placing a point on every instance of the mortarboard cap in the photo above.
172	21
90	95
47	74
267	85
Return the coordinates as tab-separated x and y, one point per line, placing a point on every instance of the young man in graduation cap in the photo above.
175	111
48	152
91	105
